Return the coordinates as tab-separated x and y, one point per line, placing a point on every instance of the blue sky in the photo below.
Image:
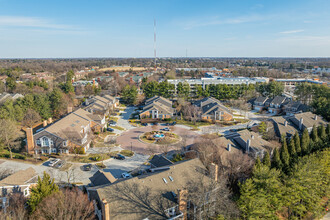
124	28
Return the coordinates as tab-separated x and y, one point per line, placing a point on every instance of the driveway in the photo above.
123	119
75	173
130	139
117	167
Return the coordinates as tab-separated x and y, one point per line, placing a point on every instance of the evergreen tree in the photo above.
257	163
328	129
322	132
314	135
292	148
297	143
305	142
44	188
277	163
285	156
266	160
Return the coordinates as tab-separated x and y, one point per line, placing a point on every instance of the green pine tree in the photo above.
305	142
297	143
257	163
314	135
277	163
328	129
292	148
44	188
266	160
321	132
285	156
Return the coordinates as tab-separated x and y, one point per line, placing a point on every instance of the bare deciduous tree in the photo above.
30	118
16	209
191	112
8	134
67	204
4	172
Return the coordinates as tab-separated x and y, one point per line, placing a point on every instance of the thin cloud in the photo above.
33	22
217	21
292	31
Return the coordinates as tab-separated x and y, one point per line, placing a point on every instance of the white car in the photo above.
126	175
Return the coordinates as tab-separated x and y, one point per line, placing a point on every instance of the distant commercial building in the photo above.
219	80
297	81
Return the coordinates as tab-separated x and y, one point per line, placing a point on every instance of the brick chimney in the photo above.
69	109
183	200
105	210
29	140
44	123
214	171
285	123
315	117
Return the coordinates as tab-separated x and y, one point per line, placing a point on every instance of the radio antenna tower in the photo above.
155	54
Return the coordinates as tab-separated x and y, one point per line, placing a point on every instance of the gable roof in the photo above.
101	178
20	178
278	100
279	123
261	99
308	119
209	105
160	161
89	116
255	140
69	128
161	104
123	196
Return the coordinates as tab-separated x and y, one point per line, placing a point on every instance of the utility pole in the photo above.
131	146
155	52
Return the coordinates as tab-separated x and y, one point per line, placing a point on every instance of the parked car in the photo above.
155	123
112	123
120	157
110	129
167	124
165	129
59	164
87	167
126	175
144	124
52	162
173	123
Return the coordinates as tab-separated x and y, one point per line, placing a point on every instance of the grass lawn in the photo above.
144	139
90	158
127	153
118	128
113	118
192	124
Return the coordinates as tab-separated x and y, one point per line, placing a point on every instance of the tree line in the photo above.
293	184
318	96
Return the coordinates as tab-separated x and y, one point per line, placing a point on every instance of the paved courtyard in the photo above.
130	139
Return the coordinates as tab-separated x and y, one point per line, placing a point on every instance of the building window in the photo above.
45	142
38	142
65	143
54	150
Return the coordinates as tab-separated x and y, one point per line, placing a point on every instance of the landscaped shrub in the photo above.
79	150
167	119
127	153
21	157
177	158
95	158
5	155
101	165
